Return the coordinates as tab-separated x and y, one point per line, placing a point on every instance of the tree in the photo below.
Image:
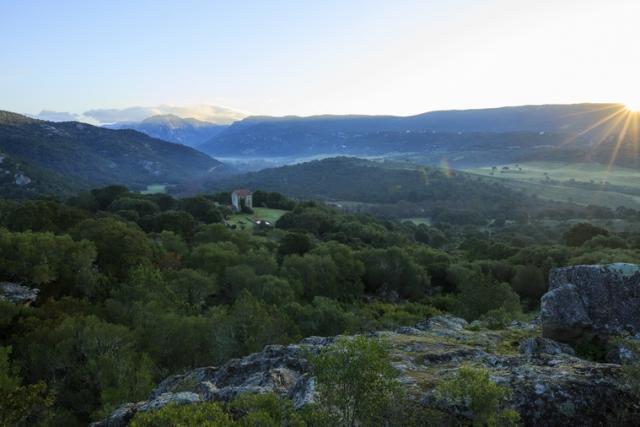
178	222
42	216
189	289
43	258
356	382
21	405
214	257
393	270
315	275
349	269
92	364
294	243
479	293
142	206
120	245
254	324
106	195
201	208
583	232
529	282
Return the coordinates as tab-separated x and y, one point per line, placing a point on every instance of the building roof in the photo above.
243	192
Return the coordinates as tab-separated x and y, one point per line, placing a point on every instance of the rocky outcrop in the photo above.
551	387
538	346
588	301
17	294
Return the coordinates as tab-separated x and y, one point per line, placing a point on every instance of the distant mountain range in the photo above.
40	157
169	127
465	136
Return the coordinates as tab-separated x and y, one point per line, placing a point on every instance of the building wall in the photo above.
234	201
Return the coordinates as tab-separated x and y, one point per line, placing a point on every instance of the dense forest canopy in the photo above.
135	287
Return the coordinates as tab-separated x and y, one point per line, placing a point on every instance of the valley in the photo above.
434	251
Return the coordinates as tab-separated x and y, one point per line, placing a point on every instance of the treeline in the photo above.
137	287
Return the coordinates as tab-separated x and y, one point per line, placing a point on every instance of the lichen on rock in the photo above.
549	386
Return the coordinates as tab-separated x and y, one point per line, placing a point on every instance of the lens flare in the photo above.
633	106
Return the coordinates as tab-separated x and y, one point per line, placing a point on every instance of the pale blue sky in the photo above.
311	57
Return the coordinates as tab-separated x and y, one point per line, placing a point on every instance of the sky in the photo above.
277	57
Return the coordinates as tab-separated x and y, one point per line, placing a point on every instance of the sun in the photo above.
633	106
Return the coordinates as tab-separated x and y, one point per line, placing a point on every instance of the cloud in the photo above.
207	113
57	116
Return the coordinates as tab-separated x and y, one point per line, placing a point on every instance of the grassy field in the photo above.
265	214
580	183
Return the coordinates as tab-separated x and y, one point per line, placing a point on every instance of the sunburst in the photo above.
633	106
621	127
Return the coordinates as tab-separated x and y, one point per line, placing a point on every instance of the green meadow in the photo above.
265	214
580	183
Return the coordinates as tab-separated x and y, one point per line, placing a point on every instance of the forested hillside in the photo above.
78	155
392	189
133	288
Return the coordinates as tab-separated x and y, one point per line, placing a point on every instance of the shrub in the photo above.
203	415
356	382
497	319
473	390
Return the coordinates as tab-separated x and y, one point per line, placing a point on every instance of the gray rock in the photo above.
408	330
121	416
444	325
17	294
537	345
622	353
591	300
549	387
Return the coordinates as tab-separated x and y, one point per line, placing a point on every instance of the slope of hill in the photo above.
169	127
87	155
390	189
501	132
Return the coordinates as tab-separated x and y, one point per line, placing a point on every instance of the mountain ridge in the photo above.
582	124
172	128
88	155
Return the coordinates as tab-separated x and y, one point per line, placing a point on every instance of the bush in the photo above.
203	415
265	410
356	382
497	319
473	390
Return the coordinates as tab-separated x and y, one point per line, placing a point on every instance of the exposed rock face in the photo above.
591	300
17	294
538	346
550	386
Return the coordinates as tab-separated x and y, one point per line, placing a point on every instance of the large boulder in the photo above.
17	294
591	301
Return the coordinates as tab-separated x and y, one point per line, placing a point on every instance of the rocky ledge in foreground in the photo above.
551	386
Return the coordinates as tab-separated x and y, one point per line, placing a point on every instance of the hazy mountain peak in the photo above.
207	113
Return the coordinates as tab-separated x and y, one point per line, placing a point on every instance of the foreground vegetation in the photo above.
136	287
